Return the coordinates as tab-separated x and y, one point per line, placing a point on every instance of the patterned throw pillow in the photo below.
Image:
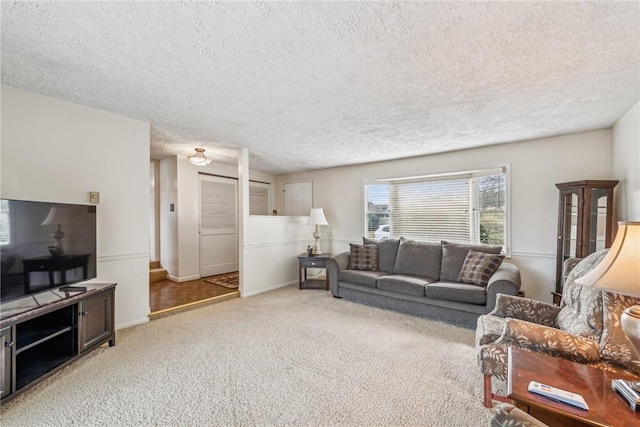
478	267
363	257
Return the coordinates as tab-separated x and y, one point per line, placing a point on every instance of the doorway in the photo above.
218	225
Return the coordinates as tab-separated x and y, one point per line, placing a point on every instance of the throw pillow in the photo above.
478	267
454	254
363	257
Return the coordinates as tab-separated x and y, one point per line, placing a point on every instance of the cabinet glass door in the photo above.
569	235
598	219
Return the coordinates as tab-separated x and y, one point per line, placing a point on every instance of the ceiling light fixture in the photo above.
199	159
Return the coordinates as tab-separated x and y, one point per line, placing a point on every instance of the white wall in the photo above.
536	166
53	150
626	164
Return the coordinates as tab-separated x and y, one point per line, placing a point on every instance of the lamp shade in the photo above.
619	271
316	217
56	216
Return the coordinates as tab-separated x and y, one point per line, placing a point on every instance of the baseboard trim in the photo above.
271	288
183	278
132	323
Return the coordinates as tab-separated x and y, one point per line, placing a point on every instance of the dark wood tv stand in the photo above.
44	332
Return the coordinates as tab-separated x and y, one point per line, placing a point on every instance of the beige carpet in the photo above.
228	280
287	357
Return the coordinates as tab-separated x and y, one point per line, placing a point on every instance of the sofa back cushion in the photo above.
387	252
581	312
454	254
420	259
614	344
363	257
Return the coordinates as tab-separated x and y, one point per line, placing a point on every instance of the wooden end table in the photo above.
312	261
606	407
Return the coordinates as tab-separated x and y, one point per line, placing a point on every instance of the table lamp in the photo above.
619	272
316	217
57	216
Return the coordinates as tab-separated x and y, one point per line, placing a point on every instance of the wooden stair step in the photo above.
154	264
157	274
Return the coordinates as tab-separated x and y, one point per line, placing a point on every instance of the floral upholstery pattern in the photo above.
581	312
585	329
506	414
614	344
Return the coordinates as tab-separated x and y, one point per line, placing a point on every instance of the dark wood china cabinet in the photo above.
585	222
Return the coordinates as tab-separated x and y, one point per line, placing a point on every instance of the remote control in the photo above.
558	395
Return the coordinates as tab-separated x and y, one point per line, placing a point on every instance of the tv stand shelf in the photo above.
43	332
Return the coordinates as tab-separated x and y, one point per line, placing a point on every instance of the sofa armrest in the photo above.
334	265
551	341
526	309
505	280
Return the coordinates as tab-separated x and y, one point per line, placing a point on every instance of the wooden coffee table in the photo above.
606	407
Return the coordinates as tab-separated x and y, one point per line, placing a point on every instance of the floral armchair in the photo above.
506	415
585	329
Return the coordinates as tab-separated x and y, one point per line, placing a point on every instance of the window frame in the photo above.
469	174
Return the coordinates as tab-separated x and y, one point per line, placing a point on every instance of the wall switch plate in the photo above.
94	197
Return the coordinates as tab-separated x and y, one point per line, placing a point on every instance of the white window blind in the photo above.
463	207
431	210
218	205
258	199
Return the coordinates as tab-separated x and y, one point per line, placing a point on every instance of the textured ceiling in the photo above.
309	85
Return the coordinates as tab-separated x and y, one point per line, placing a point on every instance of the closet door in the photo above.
218	225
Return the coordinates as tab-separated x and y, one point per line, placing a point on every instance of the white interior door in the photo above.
218	225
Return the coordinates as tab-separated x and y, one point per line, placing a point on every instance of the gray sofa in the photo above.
421	278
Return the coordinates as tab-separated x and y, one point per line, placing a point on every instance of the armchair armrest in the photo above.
334	265
505	280
525	309
554	342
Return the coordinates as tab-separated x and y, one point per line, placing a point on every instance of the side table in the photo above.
312	261
606	407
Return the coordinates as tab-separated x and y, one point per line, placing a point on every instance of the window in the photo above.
468	207
5	226
259	198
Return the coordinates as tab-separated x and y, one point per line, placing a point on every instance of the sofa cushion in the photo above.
363	257
403	284
478	267
460	292
454	254
418	259
387	251
360	277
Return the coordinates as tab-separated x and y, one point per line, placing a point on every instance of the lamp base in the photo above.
316	245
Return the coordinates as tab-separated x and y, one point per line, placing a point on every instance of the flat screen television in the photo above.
45	245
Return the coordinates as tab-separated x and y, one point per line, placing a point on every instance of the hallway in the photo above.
166	296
